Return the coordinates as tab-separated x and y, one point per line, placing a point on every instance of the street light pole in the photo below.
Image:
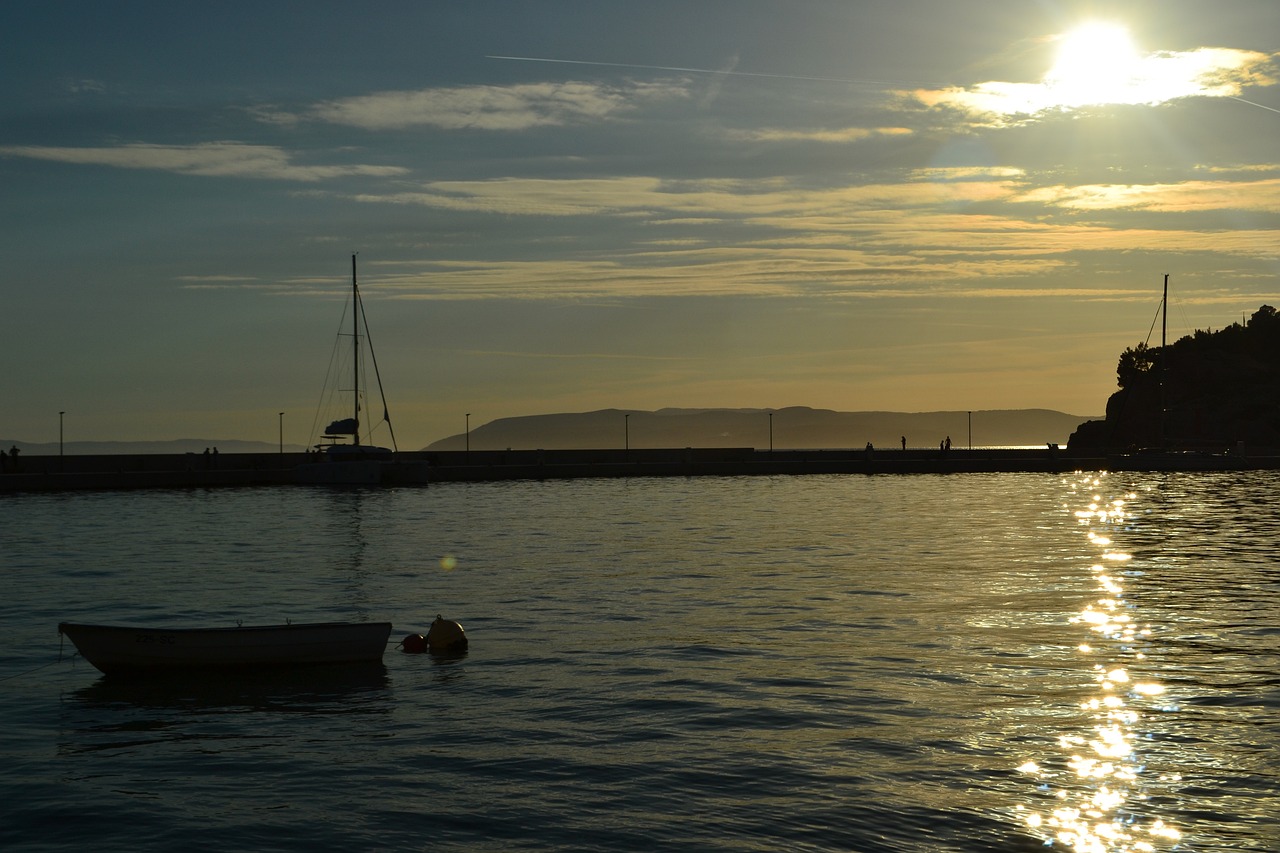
468	434
771	432
282	433
626	432
971	430
60	414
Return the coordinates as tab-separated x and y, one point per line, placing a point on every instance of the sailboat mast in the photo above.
355	346
1164	311
1164	354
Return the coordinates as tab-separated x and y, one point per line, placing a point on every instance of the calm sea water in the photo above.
951	663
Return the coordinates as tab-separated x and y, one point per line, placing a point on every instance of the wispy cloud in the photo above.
731	271
790	207
837	136
209	159
1184	197
81	86
939	230
711	199
496	108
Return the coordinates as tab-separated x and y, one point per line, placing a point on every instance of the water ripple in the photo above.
952	663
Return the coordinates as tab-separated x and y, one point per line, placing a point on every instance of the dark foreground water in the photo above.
920	663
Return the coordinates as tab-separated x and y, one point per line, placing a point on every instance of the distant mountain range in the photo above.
792	428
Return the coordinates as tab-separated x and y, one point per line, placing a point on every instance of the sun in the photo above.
1097	63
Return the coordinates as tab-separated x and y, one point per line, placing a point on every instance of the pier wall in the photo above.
419	468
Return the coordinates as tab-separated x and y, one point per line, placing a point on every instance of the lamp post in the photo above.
626	432
60	414
467	433
282	433
771	432
971	430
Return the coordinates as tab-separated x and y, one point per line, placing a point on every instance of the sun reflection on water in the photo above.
1099	791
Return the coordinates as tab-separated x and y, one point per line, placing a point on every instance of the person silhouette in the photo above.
904	442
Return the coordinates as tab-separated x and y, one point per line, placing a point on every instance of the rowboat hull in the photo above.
117	649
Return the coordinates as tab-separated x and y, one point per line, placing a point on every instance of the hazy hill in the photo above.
793	428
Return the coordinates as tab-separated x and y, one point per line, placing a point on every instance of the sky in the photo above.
559	206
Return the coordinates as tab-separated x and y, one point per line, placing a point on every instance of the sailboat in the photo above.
342	458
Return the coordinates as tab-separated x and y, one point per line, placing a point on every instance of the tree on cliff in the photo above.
1135	362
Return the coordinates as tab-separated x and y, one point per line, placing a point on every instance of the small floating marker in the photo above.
414	644
445	636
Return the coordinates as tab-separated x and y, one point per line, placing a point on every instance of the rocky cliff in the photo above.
1208	391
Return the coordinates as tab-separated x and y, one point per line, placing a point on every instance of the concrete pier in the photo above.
419	468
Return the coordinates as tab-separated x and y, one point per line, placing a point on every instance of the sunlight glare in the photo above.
1095	61
1098	63
1102	801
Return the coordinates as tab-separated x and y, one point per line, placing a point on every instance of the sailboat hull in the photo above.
349	464
360	472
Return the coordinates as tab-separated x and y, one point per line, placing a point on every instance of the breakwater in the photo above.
419	468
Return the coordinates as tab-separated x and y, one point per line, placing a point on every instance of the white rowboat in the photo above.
118	649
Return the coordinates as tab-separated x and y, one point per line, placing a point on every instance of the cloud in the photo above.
1185	197
711	199
836	136
209	159
965	173
1151	79
729	271
86	86
939	231
893	258
498	108
900	230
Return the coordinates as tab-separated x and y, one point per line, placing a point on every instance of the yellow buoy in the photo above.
445	635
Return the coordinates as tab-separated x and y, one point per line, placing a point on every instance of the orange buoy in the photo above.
445	635
414	644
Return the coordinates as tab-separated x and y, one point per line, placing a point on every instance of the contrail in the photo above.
693	70
1252	104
